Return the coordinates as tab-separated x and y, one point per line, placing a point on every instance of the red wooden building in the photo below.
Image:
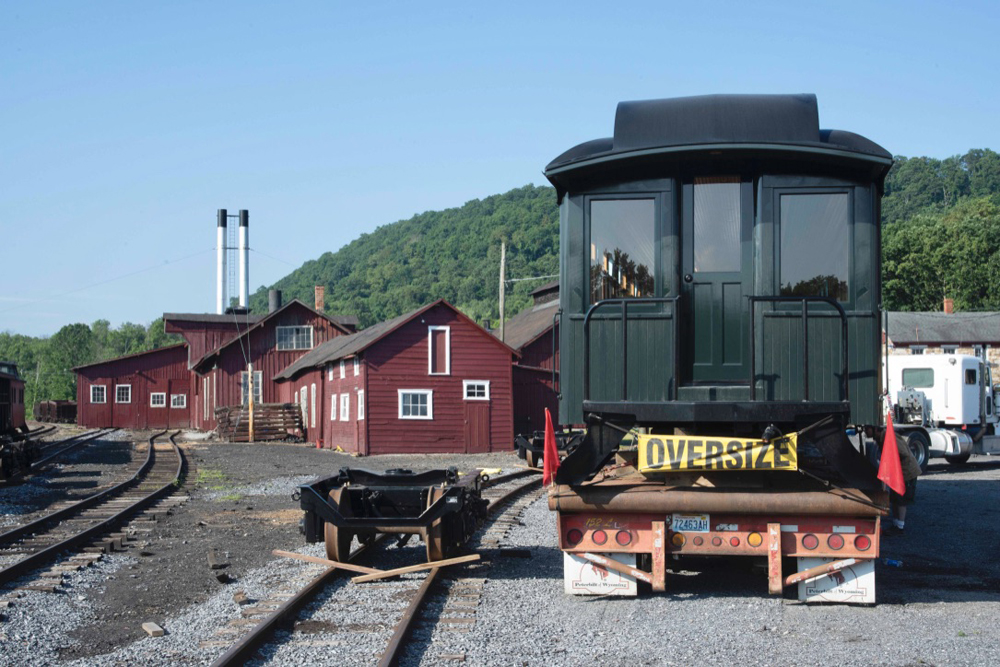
270	342
428	381
534	334
139	391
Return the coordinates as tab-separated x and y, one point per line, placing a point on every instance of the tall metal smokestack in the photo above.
244	257
221	301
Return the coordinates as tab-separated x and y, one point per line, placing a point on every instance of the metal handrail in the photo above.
555	369
805	300
624	303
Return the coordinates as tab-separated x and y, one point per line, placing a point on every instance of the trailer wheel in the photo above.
958	460
338	541
921	448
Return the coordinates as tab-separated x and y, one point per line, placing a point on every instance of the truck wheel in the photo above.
921	448
958	460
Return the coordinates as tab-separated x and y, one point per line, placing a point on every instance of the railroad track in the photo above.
50	452
89	525
361	625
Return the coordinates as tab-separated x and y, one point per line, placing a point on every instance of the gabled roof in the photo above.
129	356
346	346
938	328
260	323
526	327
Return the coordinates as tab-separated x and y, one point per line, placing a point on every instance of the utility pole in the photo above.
250	384
503	271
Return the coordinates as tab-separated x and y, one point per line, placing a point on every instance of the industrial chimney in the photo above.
244	257
221	302
273	300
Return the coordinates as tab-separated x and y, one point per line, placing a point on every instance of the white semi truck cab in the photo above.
945	405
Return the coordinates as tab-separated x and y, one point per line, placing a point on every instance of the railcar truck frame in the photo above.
719	333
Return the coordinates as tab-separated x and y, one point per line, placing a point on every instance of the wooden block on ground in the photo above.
457	657
152	629
450	620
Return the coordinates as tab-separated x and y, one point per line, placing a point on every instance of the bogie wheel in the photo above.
958	460
338	541
921	448
435	534
532	459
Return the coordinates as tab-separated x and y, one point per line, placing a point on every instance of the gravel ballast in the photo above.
939	608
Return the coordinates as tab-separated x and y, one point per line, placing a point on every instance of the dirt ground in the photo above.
240	505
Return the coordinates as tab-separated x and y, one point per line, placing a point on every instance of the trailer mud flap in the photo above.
852	584
581	577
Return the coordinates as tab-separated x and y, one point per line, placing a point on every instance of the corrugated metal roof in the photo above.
938	328
213	318
346	346
529	324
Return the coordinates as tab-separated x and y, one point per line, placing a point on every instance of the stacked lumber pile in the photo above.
271	421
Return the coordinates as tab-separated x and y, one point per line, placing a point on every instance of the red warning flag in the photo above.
890	470
550	455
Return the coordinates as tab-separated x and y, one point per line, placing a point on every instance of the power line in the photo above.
517	280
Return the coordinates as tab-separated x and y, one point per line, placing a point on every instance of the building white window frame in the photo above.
917	349
293	337
357	367
345	407
178	404
467	384
118	388
258	387
361	405
949	349
204	390
104	394
343	368
329	372
333	406
429	393
312	406
158	399
430	349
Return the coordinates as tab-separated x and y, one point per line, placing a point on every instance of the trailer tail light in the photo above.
835	542
678	540
574	536
716	541
734	541
862	543
810	542
599	537
623	538
698	541
755	539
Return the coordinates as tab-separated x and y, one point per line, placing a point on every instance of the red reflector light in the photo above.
574	536
623	537
599	537
835	541
862	543
698	541
716	541
734	541
810	542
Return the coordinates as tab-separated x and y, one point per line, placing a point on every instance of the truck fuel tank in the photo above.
948	442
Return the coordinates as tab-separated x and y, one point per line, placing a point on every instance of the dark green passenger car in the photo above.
719	272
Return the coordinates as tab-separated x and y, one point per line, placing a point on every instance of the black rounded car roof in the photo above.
786	123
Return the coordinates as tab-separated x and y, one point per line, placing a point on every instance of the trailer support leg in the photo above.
774	579
659	557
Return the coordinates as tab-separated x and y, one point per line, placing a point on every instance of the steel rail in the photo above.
244	649
81	440
35	560
394	650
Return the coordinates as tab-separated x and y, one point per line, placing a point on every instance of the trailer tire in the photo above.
958	460
920	445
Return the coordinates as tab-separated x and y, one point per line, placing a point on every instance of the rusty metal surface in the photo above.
819	570
663	499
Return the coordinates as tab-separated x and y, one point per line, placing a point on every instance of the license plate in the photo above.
690	523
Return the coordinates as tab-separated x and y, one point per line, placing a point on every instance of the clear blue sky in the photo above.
125	125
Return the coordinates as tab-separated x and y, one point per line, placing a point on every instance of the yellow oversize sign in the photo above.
667	453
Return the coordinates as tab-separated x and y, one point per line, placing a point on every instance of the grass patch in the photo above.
210	479
231	496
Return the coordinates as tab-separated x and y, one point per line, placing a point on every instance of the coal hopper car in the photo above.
720	338
16	451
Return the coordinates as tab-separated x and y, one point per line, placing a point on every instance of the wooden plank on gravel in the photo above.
416	568
153	630
329	563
